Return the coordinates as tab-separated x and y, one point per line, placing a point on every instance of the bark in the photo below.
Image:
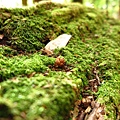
119	10
36	0
24	2
107	2
81	1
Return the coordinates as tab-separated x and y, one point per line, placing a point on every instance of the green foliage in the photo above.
110	6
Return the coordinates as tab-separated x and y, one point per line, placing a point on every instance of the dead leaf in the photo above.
15	38
83	100
78	102
6	14
68	73
92	115
88	109
1	37
15	80
59	42
31	74
75	112
93	104
47	86
23	115
81	116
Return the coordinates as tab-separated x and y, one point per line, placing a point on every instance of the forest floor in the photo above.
85	87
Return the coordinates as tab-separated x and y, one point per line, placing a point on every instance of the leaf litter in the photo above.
88	108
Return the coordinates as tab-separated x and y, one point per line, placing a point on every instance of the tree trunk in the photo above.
24	2
81	1
36	0
107	2
119	10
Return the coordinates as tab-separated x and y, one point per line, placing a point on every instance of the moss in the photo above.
45	24
7	51
33	88
34	95
109	95
7	108
23	65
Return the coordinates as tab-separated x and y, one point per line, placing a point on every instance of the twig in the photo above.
96	76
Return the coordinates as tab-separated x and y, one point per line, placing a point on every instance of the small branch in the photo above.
96	76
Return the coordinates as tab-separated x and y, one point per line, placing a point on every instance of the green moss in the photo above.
23	65
45	24
40	95
33	88
109	95
6	108
7	51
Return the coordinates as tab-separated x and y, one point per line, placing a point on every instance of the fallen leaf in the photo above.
75	112
88	109
83	100
1	36
47	86
92	115
31	74
6	14
81	116
78	102
59	42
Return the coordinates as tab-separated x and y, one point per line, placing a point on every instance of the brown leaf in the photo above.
88	100
101	117
6	14
99	110
78	102
47	51
74	118
47	86
82	115
97	105
31	74
23	115
93	104
14	79
75	112
83	100
92	115
88	109
1	37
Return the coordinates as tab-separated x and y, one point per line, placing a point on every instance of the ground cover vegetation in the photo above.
31	87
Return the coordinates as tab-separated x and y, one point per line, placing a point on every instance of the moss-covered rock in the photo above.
31	87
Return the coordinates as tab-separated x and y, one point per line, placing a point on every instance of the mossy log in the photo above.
29	29
30	86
